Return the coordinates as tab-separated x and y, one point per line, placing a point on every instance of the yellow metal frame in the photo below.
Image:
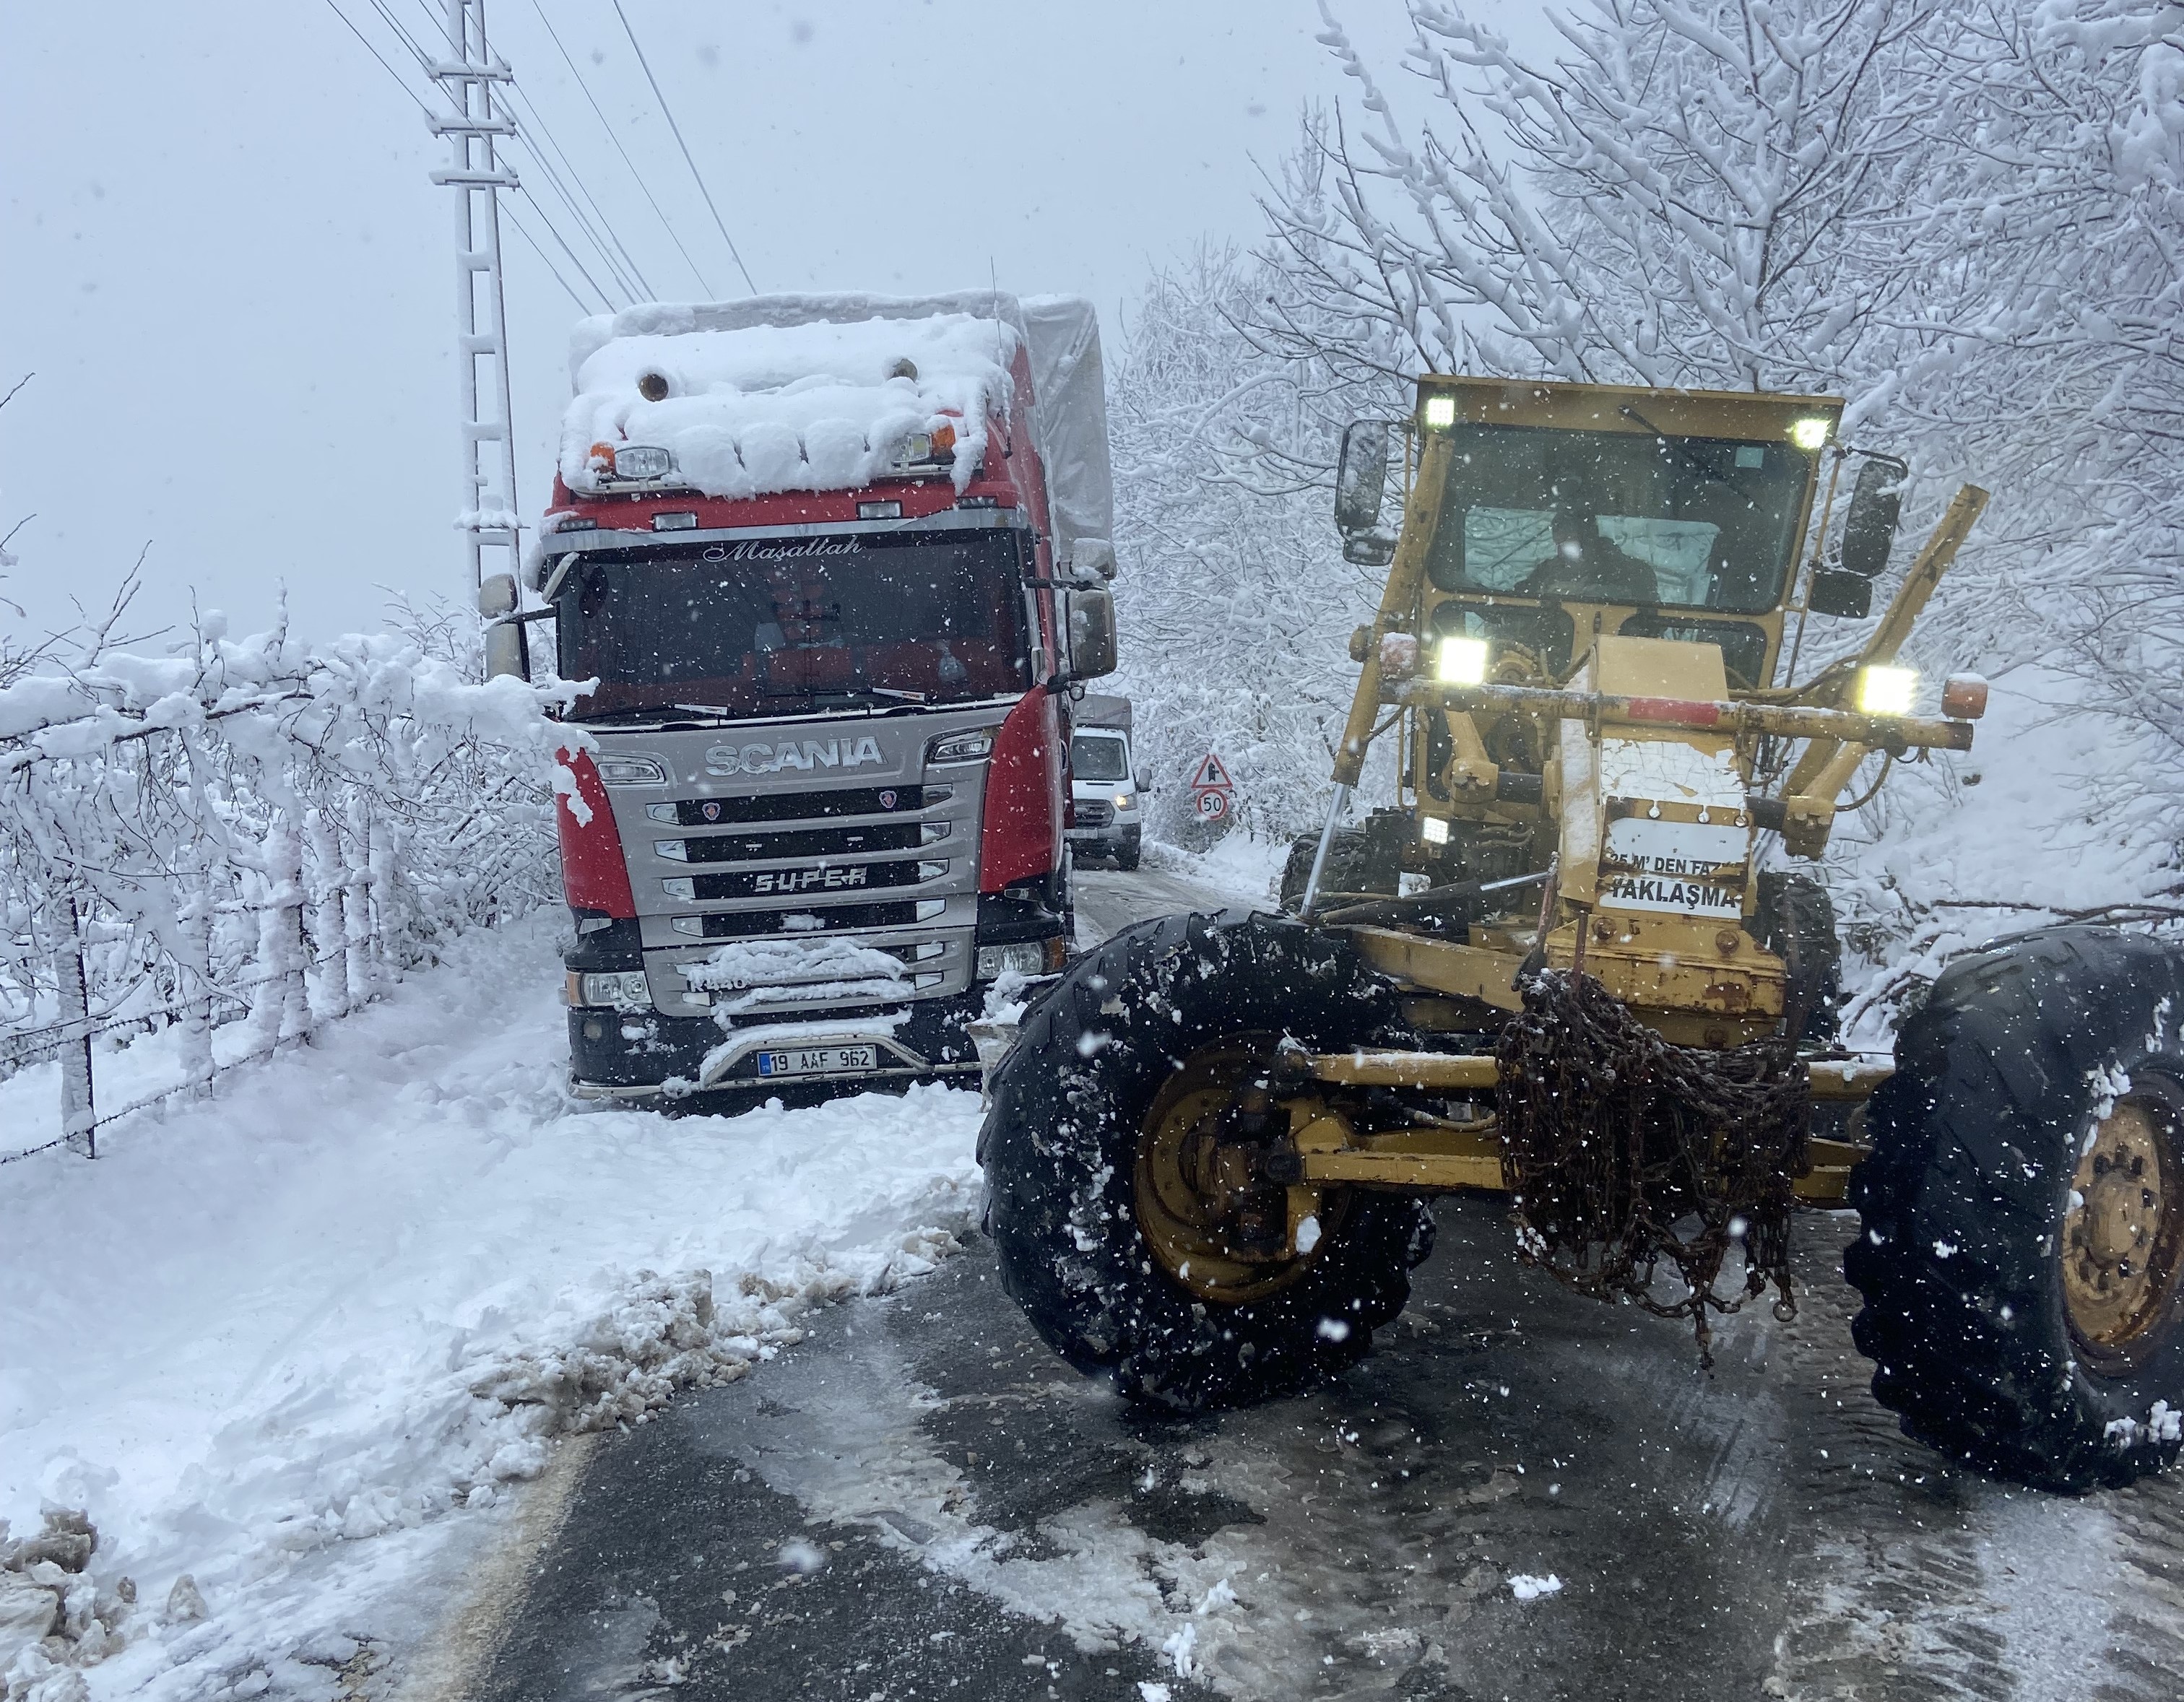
1431	1157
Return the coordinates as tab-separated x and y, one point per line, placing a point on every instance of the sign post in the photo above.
1213	793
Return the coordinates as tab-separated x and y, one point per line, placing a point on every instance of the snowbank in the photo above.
285	1342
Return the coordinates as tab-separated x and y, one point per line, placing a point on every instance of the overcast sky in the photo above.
222	259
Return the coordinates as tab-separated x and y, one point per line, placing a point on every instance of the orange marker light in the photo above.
1963	696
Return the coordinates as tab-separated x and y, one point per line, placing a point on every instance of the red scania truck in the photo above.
829	567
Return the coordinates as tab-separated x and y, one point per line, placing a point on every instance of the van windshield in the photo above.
783	627
1098	756
1620	517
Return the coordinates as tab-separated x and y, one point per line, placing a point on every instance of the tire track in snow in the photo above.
1917	1579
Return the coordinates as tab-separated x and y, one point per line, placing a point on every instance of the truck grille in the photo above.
812	842
775	883
742	924
800	806
1095	812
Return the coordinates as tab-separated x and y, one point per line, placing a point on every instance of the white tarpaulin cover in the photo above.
808	394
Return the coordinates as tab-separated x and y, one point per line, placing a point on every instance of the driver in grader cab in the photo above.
1590	566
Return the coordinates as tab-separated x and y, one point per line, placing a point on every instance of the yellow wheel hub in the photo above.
1178	1180
2124	1227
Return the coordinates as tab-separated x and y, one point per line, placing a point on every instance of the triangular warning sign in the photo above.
1211	776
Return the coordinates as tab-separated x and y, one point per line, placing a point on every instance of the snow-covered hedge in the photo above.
255	829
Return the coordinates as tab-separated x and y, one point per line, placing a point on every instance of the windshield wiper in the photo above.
1678	450
705	709
864	696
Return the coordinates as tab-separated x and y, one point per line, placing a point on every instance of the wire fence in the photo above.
245	838
309	982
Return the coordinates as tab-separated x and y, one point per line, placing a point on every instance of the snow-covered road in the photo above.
1521	1494
294	1344
272	1341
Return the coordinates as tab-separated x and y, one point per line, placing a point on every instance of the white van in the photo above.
1107	791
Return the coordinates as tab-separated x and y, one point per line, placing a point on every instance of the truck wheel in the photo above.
1104	1238
1128	853
1797	923
2023	1212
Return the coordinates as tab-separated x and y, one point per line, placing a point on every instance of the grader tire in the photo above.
2023	1213
1356	862
1076	1105
1796	915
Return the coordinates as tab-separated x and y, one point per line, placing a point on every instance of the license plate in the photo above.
819	1060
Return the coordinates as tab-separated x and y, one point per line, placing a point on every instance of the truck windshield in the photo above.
1624	517
765	627
1098	756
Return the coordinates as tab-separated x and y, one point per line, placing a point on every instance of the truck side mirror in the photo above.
505	652
1091	621
1093	558
1870	527
1143	780
1361	475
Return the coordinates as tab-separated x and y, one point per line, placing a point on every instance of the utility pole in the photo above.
468	76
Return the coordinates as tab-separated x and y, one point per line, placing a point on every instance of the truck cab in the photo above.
822	571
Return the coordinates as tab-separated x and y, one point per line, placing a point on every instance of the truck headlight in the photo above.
1462	661
627	989
1126	800
1440	412
1887	691
630	771
1809	435
1024	957
971	747
642	461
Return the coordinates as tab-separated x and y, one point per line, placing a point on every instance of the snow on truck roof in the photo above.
820	393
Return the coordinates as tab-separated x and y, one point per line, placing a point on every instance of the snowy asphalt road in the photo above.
919	1500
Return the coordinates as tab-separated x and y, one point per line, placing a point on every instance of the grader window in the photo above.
1618	517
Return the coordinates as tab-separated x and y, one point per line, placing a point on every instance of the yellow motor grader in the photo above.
1569	967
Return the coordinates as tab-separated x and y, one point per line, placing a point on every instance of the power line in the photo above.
425	107
583	306
627	265
615	268
615	136
613	250
685	146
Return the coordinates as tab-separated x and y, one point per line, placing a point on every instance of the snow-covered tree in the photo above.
1235	604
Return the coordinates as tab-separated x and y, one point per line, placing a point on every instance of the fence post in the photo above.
356	903
79	1122
280	1011
322	916
194	983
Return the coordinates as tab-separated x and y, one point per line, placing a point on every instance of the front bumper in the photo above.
639	1056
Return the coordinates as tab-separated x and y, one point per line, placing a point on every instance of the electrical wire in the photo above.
425	107
626	265
630	279
669	114
615	136
583	306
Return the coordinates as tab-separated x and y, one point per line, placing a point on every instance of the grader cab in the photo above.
1567	965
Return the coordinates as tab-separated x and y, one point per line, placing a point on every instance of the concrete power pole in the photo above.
469	76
